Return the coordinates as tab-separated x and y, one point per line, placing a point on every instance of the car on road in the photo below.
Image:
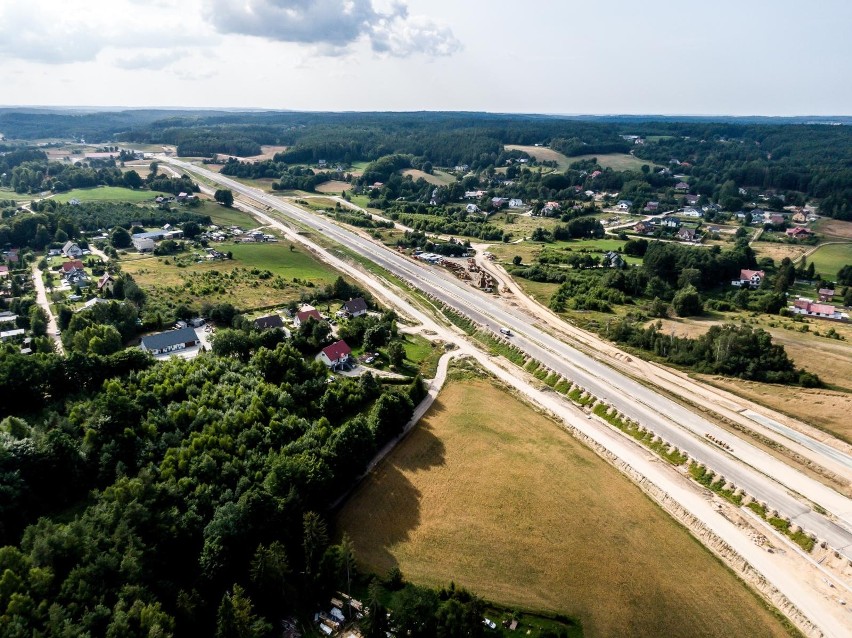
506	332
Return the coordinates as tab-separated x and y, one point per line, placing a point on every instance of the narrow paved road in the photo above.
41	298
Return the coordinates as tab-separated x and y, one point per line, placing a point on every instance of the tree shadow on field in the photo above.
385	509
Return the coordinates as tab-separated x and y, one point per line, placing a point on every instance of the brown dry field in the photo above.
779	251
333	187
834	228
494	496
267	152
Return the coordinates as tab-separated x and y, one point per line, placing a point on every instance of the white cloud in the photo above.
151	60
333	25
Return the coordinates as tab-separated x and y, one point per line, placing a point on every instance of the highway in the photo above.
762	476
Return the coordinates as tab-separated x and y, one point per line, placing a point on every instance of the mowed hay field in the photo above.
490	494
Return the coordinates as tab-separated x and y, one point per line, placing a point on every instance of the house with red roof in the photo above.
4	271
808	308
749	278
304	315
798	232
336	354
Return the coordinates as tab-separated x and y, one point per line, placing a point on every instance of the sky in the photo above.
701	57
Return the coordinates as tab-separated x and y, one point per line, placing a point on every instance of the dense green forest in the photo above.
142	506
799	157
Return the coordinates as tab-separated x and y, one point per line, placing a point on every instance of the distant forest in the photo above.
804	155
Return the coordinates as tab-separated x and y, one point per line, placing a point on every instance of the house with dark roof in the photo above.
681	186
688	234
826	294
652	207
356	307
106	282
336	354
304	315
170	341
270	322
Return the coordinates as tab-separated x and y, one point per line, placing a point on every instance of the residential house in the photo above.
335	355
749	278
652	207
549	208
689	211
595	174
70	249
681	186
817	310
612	259
269	322
13	256
692	200
70	266
498	202
4	271
624	204
799	217
106	282
462	167
473	194
356	307
776	219
826	294
643	228
669	222
11	334
304	315
799	232
688	234
377	185
170	341
516	203
472	208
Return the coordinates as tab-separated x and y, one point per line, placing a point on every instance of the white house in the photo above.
472	208
749	278
70	249
516	203
624	204
336	354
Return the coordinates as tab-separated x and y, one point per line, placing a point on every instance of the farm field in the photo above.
834	228
529	251
778	251
494	496
437	177
105	194
223	216
616	161
828	260
542	153
232	280
333	186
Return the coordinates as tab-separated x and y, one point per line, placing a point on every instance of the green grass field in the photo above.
423	354
616	161
222	216
491	494
181	280
105	194
828	260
